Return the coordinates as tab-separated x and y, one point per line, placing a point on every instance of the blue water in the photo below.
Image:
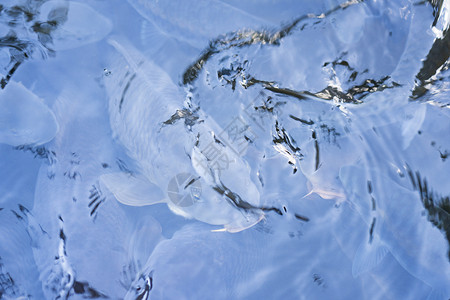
224	149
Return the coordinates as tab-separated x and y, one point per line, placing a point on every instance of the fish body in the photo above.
396	225
24	118
183	164
70	206
78	24
190	22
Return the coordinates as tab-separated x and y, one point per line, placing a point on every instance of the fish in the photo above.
196	262
183	164
70	206
397	226
175	19
19	230
79	24
24	117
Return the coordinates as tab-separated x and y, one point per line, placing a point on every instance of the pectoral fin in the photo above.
411	126
133	190
241	224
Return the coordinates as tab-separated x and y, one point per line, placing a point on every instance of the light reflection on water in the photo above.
291	151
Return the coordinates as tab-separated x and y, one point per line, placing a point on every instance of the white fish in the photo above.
396	225
80	24
204	179
18	233
71	207
24	118
190	22
196	263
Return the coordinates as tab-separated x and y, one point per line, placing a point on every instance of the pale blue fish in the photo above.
190	22
387	281
386	22
432	161
321	142
396	224
381	136
77	215
24	117
323	172
320	42
19	230
196	263
362	130
81	24
144	105
384	134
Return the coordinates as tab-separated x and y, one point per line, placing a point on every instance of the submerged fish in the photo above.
196	263
396	225
70	206
183	164
24	118
191	21
80	24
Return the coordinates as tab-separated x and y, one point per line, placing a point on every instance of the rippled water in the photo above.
224	149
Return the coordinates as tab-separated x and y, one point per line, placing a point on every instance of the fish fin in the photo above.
24	118
368	256
326	194
219	230
78	24
153	38
438	294
178	211
146	235
330	193
243	223
412	124
132	190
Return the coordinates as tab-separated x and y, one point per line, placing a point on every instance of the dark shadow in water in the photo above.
41	152
436	57
354	94
437	8
64	281
288	145
83	288
23	18
8	287
437	206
